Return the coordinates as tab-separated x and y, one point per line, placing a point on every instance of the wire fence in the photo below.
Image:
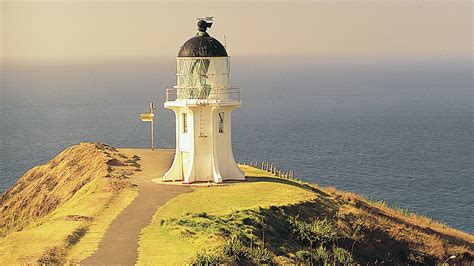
272	168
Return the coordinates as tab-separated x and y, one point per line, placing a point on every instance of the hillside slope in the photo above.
283	221
72	198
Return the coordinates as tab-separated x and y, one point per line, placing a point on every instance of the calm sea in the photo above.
393	129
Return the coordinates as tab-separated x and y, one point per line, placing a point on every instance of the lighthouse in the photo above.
203	101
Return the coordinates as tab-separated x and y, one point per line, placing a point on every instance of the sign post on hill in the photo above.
149	117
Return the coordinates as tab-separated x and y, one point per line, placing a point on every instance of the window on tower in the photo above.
220	121
185	123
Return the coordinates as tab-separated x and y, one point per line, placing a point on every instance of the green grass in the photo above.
197	226
170	244
96	208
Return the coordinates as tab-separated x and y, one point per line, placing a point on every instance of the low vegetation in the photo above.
58	212
258	223
194	223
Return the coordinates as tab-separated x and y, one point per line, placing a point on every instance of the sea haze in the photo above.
393	129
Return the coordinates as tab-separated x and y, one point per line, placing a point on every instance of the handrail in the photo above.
203	94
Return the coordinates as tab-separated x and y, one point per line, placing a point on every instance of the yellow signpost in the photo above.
149	117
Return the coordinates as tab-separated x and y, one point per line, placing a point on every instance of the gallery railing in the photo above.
204	94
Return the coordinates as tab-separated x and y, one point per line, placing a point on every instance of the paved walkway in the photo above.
120	243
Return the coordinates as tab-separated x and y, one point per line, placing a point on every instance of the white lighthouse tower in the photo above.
203	101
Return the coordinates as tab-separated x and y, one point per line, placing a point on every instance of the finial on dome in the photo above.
204	23
202	44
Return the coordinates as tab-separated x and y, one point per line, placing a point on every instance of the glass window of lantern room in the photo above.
196	76
185	123
220	121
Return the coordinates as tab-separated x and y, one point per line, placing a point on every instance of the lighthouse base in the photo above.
203	144
213	175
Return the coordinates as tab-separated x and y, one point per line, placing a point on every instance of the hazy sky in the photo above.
78	30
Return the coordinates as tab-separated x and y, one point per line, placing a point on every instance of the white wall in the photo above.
200	158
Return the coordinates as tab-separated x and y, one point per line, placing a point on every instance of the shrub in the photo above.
303	256
302	231
234	249
261	255
319	231
342	256
53	256
321	254
76	236
202	215
324	230
207	258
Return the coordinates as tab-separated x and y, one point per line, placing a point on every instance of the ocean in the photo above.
393	129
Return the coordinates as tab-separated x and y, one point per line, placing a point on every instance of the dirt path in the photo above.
120	243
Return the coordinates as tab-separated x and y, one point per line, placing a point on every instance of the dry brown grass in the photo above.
419	232
42	189
423	222
330	190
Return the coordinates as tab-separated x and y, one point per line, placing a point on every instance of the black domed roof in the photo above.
202	45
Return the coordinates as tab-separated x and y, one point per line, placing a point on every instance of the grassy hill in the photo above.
270	219
59	212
